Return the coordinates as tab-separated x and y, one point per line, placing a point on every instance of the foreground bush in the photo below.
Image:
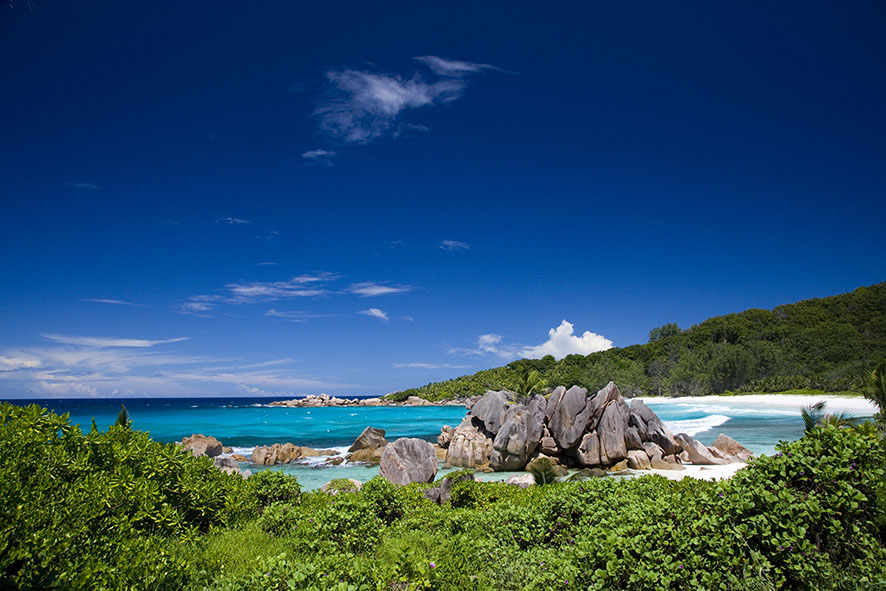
114	510
99	510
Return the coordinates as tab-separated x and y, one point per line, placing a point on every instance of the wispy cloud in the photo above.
562	342
267	264
269	235
361	105
318	157
302	286
110	301
108	341
295	315
452	68
428	366
84	186
454	245
14	363
86	366
233	221
371	288
375	313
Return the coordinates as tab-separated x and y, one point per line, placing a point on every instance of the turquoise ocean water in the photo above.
243	423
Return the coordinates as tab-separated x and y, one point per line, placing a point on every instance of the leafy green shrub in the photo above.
272	486
384	498
96	510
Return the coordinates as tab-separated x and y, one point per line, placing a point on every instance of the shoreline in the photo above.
834	403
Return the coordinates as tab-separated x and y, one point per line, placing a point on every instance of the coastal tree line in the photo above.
827	344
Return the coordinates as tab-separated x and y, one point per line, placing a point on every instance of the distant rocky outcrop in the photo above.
408	460
202	445
504	432
314	401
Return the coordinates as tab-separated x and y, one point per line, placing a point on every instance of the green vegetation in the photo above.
115	510
828	344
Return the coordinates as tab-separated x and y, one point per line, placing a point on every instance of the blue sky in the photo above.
229	198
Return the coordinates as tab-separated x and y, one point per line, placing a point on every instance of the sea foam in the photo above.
693	427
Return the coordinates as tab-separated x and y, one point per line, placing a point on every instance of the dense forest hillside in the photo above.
825	344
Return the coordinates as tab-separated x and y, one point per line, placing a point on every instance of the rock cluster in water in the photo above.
504	433
314	401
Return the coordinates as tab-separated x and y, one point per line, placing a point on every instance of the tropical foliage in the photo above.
114	510
828	344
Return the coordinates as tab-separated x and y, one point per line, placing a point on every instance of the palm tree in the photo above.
123	417
530	383
542	469
875	391
812	415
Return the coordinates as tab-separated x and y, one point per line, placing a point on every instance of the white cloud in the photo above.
267	291
454	245
103	342
110	301
562	342
233	221
295	315
361	106
454	68
14	363
375	313
370	288
84	186
428	366
319	157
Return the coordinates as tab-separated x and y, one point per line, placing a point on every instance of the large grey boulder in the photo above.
732	449
659	434
638	460
408	460
227	464
491	409
470	446
370	438
612	436
569	416
553	401
597	404
519	435
698	453
643	412
445	436
589	450
633	439
202	445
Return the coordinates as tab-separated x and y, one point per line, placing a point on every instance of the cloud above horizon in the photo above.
310	285
111	366
112	301
562	342
375	313
104	342
454	245
360	106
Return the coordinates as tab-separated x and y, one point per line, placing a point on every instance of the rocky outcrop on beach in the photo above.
504	432
202	445
284	453
408	460
368	447
314	401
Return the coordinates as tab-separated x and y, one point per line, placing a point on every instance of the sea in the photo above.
243	423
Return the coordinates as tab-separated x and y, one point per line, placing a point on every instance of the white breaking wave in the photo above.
693	427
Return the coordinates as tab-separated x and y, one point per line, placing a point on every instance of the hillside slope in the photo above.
825	343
